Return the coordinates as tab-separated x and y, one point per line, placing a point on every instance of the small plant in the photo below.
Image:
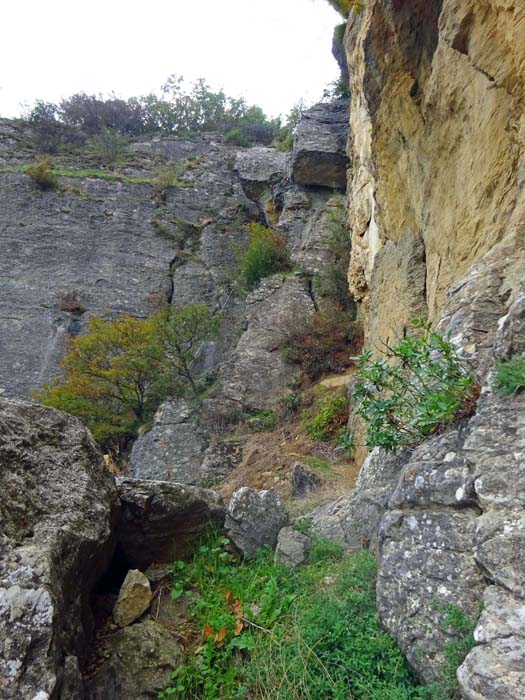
329	418
291	402
417	388
265	255
262	421
510	375
346	443
109	146
322	343
42	174
236	137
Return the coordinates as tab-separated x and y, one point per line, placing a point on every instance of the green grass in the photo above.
510	375
95	174
268	632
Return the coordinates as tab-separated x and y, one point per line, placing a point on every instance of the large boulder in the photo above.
254	520
159	520
319	156
58	506
173	449
259	168
138	664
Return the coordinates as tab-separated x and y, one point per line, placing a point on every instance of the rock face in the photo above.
304	481
318	156
159	519
437	146
58	507
447	516
133	600
138	666
254	520
173	449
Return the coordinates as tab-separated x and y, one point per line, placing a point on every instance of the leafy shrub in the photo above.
116	375
265	255
266	631
418	387
262	420
285	136
42	174
327	418
510	375
236	137
109	146
322	343
344	7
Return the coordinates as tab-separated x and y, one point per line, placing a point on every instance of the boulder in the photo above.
259	168
138	664
292	547
173	449
133	600
319	156
160	519
58	506
254	520
304	481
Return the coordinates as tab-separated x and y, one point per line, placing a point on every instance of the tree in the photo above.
181	333
113	378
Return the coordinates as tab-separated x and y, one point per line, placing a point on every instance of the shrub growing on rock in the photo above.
415	389
328	418
510	375
42	174
265	255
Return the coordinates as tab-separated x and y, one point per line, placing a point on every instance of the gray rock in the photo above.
254	520
292	547
220	459
160	520
173	450
58	506
259	168
319	156
133	600
139	661
256	375
304	481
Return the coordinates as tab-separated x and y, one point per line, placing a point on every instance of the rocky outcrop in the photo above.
254	520
173	450
58	507
437	147
447	516
159	520
318	156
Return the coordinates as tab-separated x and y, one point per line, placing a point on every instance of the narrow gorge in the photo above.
402	199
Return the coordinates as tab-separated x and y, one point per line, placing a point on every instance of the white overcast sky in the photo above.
273	52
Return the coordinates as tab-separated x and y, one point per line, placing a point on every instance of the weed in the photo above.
262	420
510	375
265	255
319	464
271	632
418	387
330	416
42	174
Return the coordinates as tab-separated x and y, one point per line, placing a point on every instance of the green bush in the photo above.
344	7
330	415
416	388
236	137
109	146
265	631
510	375
262	420
265	255
42	174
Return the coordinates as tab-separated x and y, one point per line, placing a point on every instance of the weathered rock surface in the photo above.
133	600
220	459
256	375
58	506
318	156
304	480
292	547
139	663
437	144
173	450
260	168
159	519
254	520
